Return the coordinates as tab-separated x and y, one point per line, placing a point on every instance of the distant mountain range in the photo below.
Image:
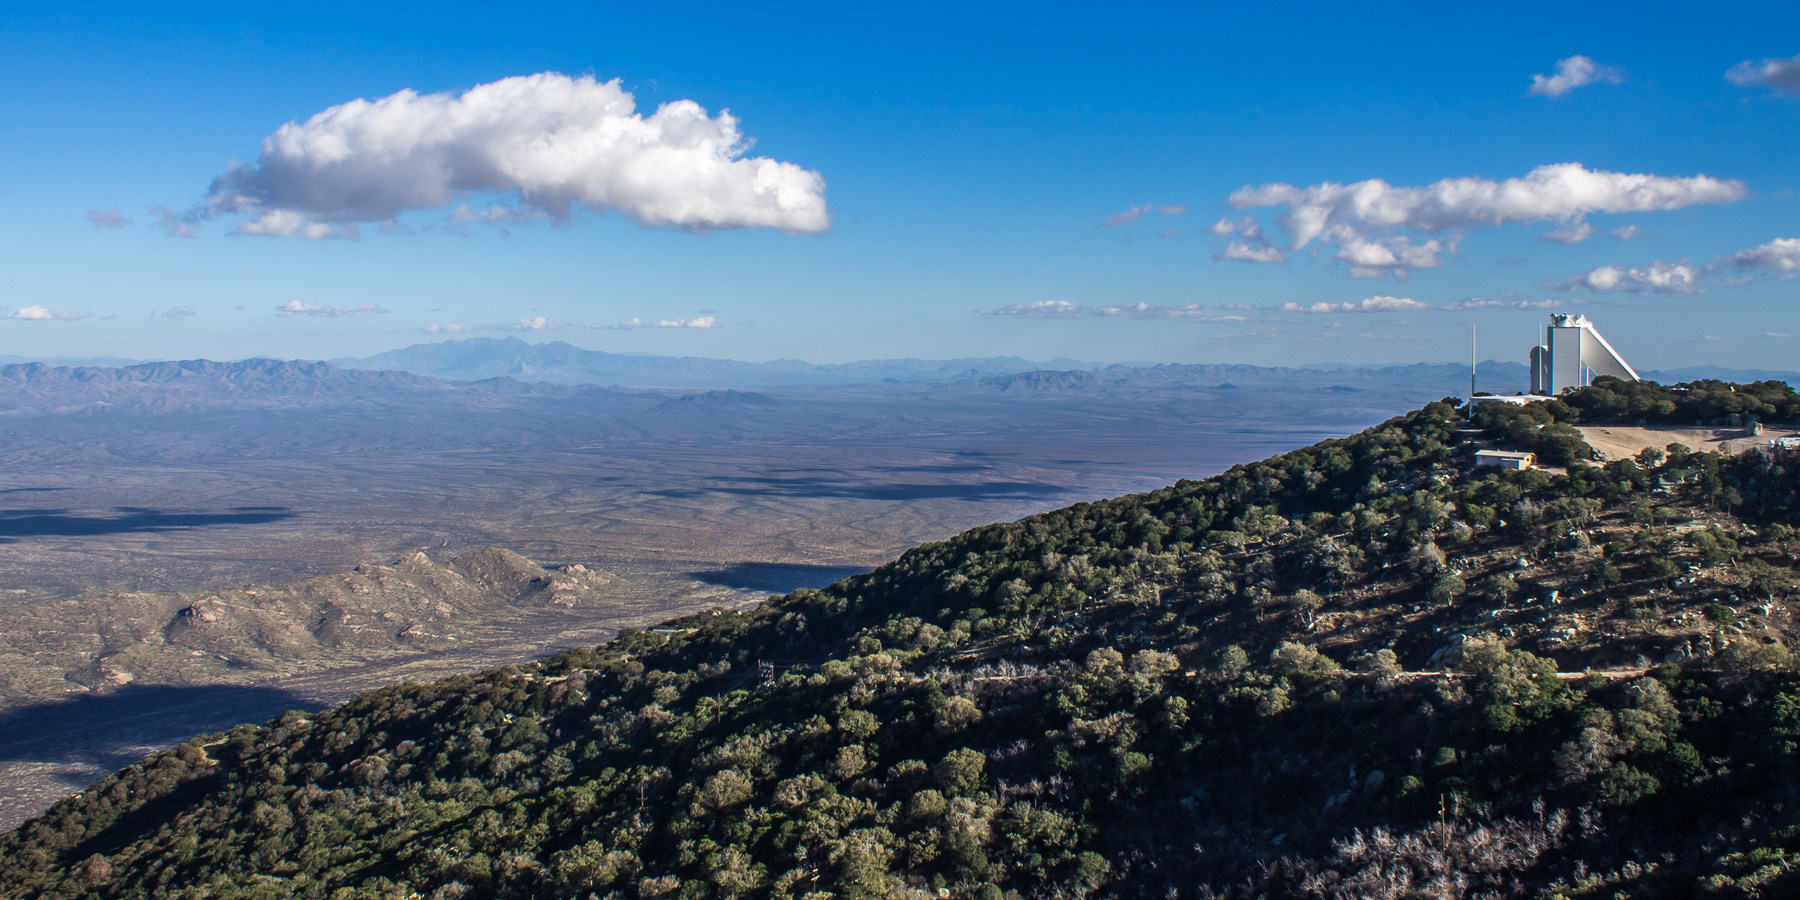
510	365
565	363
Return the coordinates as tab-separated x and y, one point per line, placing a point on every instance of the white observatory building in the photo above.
1572	355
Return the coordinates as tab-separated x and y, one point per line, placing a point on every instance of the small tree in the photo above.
1307	605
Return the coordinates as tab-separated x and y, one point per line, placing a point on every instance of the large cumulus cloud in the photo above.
1368	222
551	142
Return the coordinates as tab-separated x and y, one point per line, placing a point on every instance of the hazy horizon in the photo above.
1057	363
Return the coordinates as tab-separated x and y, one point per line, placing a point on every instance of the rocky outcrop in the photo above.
368	613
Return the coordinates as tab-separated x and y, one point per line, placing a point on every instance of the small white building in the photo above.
1506	459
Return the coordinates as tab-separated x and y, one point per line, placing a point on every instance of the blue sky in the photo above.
968	158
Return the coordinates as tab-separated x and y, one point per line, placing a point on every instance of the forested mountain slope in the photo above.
1362	669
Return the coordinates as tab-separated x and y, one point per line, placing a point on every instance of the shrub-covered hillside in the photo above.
1362	669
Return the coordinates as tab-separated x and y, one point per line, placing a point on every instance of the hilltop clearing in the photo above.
1622	441
1198	691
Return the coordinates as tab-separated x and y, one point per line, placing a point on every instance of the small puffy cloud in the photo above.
553	142
1628	232
533	323
1368	221
1043	309
175	314
1239	251
1232	306
1251	244
497	214
172	223
38	313
1137	212
1779	75
1779	257
287	223
1167	233
1659	277
1377	303
1572	73
1574	234
1064	309
1396	256
1509	303
1777	336
447	328
107	218
635	322
294	308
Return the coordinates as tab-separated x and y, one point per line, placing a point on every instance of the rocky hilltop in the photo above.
1366	668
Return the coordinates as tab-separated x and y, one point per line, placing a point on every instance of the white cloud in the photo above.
294	308
1254	246
1044	309
634	322
497	214
447	328
1779	75
38	313
1509	303
1572	73
1628	232
108	218
1377	303
1395	256
1232	306
1137	212
1238	251
1574	234
171	223
1363	220
1064	309
287	223
1659	277
533	323
1779	257
175	314
1777	336
553	142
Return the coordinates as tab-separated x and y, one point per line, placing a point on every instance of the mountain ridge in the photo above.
1350	670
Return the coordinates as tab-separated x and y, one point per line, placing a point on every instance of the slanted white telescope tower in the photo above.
1572	355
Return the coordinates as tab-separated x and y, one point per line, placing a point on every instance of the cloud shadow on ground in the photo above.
110	730
25	523
775	578
821	488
